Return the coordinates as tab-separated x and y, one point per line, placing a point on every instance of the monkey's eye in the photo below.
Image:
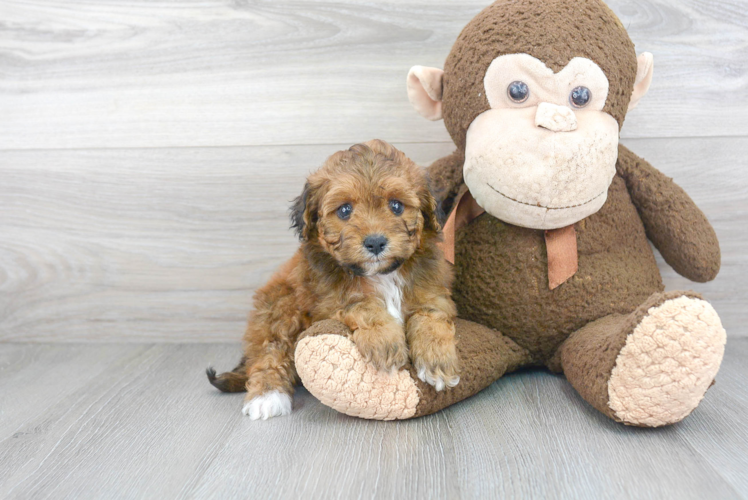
580	97
344	211
397	207
518	91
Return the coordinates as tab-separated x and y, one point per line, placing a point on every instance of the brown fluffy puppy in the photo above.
369	259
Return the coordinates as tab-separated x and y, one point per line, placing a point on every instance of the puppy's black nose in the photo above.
375	243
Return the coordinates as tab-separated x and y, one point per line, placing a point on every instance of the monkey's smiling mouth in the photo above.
537	205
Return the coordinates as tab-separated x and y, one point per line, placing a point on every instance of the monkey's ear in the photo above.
425	91
302	220
644	73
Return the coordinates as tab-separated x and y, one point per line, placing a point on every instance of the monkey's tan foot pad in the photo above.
333	370
668	363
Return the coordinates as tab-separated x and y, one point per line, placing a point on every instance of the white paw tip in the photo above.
270	404
439	383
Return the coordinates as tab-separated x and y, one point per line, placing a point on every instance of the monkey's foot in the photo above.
335	372
667	363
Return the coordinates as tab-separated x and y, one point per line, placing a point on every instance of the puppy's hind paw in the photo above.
270	404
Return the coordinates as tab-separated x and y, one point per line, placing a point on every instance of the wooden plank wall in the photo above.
148	149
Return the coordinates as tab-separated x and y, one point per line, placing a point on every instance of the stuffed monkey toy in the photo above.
548	229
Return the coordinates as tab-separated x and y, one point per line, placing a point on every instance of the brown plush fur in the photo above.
501	269
679	230
330	277
617	272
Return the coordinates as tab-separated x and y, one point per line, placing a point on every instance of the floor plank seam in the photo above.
330	144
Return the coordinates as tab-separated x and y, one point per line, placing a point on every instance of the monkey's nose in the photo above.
555	118
375	243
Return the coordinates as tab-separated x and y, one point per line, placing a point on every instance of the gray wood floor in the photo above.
141	421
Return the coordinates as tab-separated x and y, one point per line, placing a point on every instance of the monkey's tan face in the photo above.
544	155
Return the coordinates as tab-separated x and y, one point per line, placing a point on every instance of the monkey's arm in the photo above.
673	222
445	179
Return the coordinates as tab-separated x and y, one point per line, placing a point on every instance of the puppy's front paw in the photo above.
384	347
437	376
270	404
435	357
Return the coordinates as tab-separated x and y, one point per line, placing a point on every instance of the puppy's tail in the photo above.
233	381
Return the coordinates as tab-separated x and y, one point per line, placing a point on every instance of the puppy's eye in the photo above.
397	207
518	91
580	97
344	211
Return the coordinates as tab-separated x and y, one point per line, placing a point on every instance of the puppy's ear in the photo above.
302	220
429	209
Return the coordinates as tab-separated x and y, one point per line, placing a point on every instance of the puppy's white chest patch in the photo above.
390	288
